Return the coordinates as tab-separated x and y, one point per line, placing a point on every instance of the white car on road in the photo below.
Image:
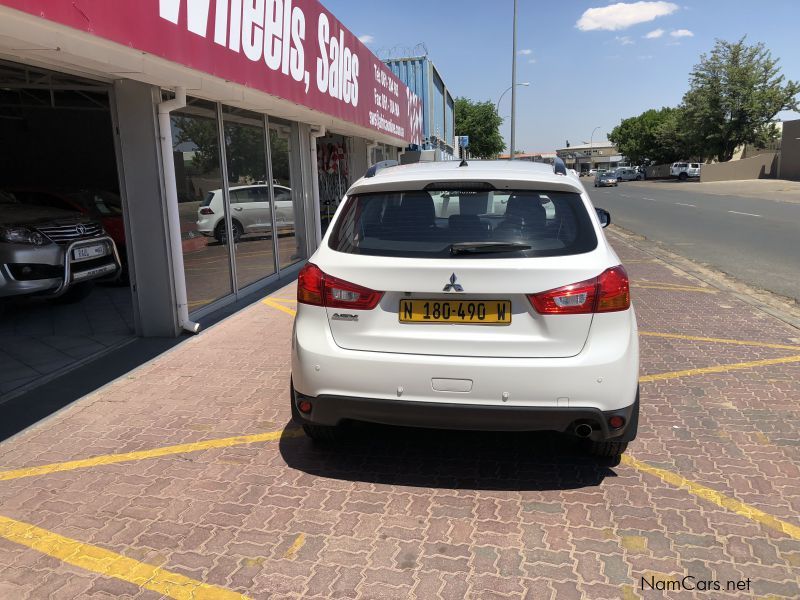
250	211
501	308
684	170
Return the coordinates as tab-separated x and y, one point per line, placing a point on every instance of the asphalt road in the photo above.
756	240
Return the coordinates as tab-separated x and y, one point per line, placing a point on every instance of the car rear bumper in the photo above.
524	393
333	410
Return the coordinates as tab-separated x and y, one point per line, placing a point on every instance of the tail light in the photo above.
608	292
206	211
319	289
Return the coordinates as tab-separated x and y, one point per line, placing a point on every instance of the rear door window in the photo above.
497	224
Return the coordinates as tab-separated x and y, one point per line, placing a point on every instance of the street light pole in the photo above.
508	89
591	149
514	81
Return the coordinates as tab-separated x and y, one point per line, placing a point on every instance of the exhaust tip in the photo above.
583	430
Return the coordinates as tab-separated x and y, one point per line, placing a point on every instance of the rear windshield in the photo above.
439	224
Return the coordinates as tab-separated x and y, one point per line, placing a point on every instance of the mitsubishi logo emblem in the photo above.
453	286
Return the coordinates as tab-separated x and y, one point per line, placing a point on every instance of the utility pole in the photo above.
514	82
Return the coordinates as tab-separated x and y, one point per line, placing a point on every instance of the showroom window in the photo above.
204	234
248	183
288	187
240	194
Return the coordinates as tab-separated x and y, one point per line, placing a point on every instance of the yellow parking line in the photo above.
279	299
720	368
110	459
111	564
696	338
715	497
286	309
298	543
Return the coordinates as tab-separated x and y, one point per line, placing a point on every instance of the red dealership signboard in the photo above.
293	49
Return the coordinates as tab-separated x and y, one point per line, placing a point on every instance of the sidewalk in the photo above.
185	478
781	190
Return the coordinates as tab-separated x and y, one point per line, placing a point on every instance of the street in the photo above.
756	240
187	478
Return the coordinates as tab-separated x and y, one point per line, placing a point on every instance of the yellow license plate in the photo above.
474	312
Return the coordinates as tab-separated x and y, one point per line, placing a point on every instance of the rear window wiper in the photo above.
486	247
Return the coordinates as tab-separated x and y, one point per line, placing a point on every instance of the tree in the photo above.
655	136
480	121
734	94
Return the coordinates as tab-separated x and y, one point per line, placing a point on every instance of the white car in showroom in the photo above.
482	296
250	211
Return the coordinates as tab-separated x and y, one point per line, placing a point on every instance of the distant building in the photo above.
438	108
530	156
583	157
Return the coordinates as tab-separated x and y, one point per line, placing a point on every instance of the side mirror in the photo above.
604	216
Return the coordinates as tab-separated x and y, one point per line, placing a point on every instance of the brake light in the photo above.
206	211
608	292
319	289
613	289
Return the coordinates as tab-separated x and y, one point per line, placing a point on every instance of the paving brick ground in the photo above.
401	513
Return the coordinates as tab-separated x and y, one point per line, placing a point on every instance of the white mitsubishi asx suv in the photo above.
479	295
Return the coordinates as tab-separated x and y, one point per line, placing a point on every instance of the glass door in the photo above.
248	186
287	191
201	203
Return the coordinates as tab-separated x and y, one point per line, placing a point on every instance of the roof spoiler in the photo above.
559	167
380	165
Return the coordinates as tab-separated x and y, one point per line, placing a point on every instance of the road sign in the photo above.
463	141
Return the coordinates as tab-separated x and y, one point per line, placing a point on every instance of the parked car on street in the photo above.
606	179
684	170
504	308
50	251
250	211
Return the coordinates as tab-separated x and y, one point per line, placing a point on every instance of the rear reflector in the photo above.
616	422
608	292
320	289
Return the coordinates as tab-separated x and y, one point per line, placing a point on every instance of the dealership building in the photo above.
161	159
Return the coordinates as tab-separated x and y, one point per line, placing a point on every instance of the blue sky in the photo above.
581	77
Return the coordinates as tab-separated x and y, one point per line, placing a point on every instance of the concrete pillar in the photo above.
146	221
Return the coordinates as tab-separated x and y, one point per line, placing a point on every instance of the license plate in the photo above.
89	251
466	312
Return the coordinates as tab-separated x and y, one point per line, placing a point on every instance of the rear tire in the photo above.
607	449
221	233
683	177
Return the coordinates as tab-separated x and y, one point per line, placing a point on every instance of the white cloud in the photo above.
645	57
532	61
623	15
656	33
681	33
525	51
366	39
625	40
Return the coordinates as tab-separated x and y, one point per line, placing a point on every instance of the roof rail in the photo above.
380	165
559	167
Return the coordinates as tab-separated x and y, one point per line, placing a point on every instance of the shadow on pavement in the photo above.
450	459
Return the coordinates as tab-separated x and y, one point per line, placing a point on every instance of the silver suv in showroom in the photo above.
50	252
